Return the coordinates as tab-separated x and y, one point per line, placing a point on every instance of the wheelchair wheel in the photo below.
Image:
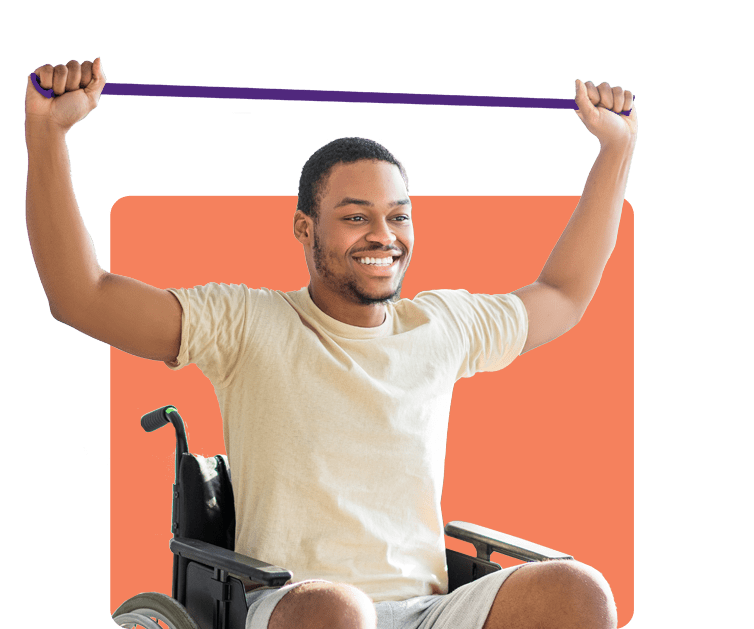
152	610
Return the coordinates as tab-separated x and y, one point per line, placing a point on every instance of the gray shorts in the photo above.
465	608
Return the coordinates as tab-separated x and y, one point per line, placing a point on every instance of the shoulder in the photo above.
463	303
442	300
491	329
477	314
228	295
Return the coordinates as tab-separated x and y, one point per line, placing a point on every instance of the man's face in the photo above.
363	238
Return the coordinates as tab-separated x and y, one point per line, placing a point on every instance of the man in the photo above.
352	382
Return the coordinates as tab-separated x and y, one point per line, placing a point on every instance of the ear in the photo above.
303	226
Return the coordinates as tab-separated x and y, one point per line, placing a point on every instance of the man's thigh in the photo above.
311	604
464	608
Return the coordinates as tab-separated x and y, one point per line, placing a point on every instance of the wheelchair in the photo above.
208	576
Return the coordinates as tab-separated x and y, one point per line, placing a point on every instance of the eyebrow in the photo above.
353	201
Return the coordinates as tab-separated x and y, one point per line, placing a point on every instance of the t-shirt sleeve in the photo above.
213	329
490	330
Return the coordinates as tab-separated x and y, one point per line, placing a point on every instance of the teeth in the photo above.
377	261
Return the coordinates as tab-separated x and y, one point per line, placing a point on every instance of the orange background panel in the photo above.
542	450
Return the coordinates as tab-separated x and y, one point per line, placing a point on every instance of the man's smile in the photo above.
378	263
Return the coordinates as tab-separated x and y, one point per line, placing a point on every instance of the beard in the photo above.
345	285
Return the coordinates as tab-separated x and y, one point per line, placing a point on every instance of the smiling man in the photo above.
351	382
357	231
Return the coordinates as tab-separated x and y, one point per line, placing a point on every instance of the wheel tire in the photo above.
153	606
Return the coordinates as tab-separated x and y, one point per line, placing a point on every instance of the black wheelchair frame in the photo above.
208	575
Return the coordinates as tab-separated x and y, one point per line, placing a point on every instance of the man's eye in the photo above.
402	218
355	219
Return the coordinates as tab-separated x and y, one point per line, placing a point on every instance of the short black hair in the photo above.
342	151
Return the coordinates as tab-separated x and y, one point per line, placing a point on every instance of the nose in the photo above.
381	232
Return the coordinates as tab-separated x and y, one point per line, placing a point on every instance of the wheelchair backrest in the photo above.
206	508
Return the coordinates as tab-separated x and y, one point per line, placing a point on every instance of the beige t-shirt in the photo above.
335	433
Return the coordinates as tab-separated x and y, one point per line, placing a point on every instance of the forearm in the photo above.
578	259
62	248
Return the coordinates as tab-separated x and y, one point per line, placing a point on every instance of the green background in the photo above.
56	410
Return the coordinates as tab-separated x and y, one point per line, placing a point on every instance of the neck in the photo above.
340	309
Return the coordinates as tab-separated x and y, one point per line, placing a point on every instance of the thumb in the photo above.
97	84
582	100
36	102
31	90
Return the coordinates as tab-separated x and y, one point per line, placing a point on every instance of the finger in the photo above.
628	100
594	95
97	84
74	76
45	76
86	74
618	99
606	96
59	78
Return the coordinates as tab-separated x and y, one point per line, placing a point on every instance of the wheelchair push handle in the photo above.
157	418
168	415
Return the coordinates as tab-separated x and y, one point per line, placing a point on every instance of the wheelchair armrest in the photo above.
232	562
486	541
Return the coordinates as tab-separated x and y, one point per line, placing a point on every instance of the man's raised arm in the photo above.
558	298
122	312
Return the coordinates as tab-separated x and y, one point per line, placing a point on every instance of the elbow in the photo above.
571	312
578	314
57	317
61	317
62	314
56	312
578	301
69	304
61	310
577	311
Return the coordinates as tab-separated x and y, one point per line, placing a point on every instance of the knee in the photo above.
577	591
322	605
560	594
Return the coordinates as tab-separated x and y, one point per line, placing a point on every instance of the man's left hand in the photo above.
600	109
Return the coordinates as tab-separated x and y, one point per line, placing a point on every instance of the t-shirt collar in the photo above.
344	329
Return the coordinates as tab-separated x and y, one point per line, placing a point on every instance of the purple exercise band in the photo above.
254	93
35	82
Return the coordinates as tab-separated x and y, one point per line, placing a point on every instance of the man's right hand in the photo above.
77	89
